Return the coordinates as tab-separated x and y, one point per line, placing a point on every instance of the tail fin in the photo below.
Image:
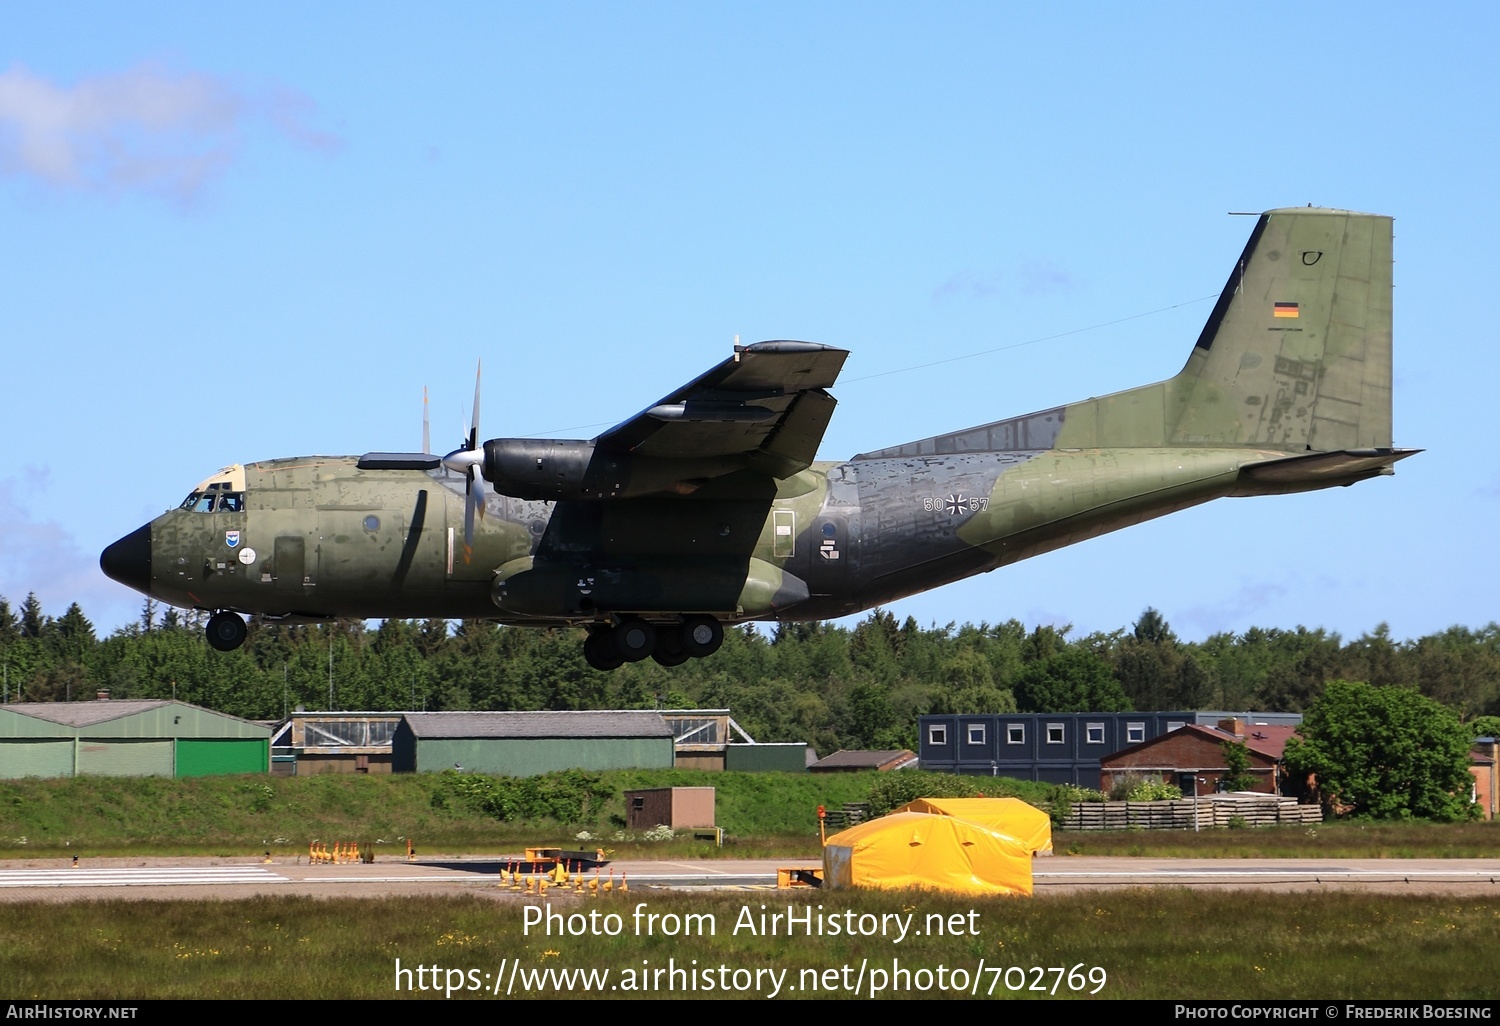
1295	357
1297	353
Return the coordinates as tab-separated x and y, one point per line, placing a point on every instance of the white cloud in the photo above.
146	129
291	112
1042	276
41	556
969	285
1235	611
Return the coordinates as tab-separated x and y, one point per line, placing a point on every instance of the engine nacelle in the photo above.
562	469
542	468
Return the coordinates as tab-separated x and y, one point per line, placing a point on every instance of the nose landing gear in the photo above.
226	631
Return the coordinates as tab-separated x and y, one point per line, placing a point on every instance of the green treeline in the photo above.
835	687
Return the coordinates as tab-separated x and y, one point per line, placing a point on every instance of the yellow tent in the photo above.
1026	823
915	849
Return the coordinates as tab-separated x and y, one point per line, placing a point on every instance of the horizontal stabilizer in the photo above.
1319	470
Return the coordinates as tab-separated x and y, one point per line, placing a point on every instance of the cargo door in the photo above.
288	571
358	552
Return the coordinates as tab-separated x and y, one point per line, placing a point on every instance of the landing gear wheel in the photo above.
599	650
669	650
226	631
701	636
635	639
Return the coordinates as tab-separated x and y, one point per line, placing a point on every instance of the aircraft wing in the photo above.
766	404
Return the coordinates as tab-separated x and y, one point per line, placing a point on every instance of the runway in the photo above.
188	878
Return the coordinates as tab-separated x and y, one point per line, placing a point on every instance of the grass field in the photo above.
1159	943
444	812
248	814
1148	943
763	814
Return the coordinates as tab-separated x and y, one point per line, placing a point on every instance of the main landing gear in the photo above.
634	639
226	631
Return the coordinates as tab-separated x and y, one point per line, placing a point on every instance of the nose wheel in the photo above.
226	631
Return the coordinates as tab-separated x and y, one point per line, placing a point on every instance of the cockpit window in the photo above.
211	502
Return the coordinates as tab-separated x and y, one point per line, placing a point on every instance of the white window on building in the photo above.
1094	734
1054	733
1135	733
1015	733
937	734
1175	725
976	733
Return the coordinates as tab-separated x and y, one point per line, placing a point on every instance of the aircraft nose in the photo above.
129	560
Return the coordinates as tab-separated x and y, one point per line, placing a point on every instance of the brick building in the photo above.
1192	757
1484	764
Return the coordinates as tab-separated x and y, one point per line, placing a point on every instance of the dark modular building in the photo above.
1054	748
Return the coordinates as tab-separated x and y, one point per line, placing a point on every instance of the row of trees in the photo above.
1387	753
1395	746
832	686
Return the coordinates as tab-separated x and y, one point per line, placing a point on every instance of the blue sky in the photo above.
234	233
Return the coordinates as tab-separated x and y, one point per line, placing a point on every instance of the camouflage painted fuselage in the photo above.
1287	389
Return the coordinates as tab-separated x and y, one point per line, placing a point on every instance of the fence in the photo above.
852	814
1189	813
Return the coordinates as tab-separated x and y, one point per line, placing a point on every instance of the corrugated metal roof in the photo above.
597	723
81	714
845	759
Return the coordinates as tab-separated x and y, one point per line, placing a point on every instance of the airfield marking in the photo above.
143	877
446	878
1335	871
679	876
699	868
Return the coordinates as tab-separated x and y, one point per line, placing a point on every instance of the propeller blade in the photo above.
474	426
469	461
469	521
473	504
426	429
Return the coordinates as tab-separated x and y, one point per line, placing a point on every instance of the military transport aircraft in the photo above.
709	508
